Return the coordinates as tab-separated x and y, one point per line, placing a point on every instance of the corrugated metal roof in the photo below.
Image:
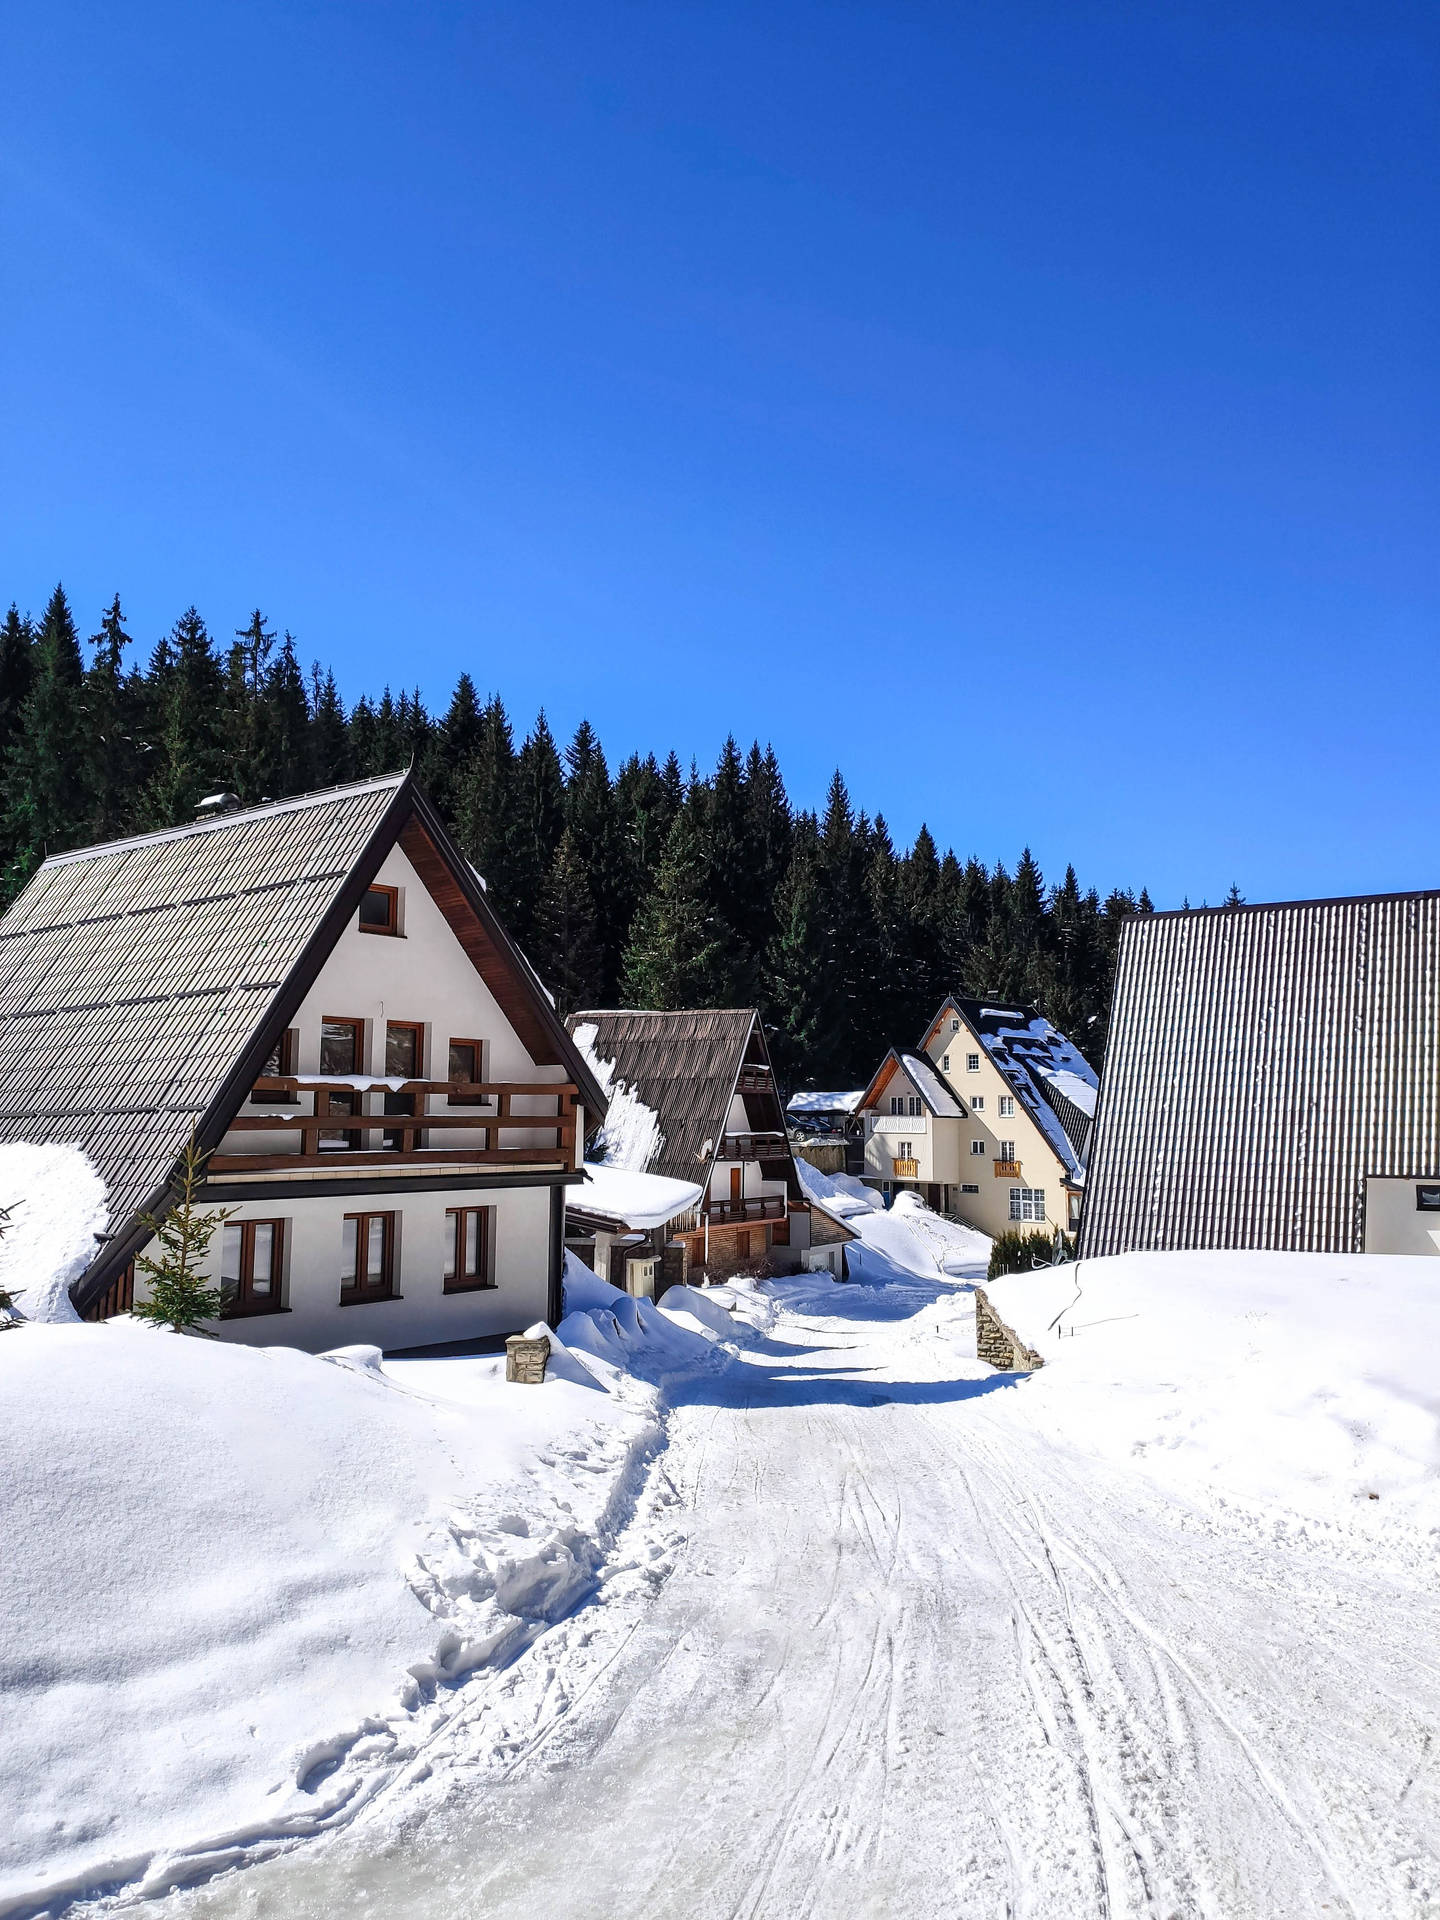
1262	1061
133	974
682	1065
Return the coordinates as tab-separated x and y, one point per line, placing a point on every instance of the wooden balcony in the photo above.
338	1110
755	1079
906	1169
768	1144
1007	1170
727	1212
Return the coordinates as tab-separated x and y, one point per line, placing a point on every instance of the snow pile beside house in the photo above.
1307	1379
55	1200
840	1194
909	1236
245	1585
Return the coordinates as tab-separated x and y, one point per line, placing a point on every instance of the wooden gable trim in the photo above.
884	1073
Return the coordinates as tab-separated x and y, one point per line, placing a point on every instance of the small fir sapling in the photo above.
10	1314
180	1298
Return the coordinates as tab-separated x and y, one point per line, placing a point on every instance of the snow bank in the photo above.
57	1205
1307	1378
911	1237
839	1193
246	1586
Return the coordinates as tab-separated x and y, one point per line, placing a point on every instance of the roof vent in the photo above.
217	803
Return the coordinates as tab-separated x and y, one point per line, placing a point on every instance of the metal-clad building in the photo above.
1273	1080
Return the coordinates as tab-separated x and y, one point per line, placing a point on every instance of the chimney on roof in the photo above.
215	804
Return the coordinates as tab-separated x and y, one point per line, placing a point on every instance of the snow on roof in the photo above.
638	1199
825	1102
56	1201
630	1139
931	1088
1044	1068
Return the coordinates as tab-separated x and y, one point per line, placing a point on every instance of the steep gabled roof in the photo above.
683	1066
939	1096
1263	1061
144	982
1052	1078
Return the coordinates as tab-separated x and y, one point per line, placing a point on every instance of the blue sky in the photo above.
1031	409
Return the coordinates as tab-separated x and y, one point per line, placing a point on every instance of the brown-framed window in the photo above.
380	910
367	1268
469	1249
404	1058
252	1267
467	1068
279	1065
342	1048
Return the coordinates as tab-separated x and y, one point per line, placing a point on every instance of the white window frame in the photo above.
972	1063
977	1103
1028	1204
977	1149
1005	1106
1005	1150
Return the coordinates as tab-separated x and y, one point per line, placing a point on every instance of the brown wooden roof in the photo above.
685	1066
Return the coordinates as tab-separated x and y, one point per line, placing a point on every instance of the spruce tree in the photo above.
49	783
591	819
452	749
17	648
487	823
179	1297
796	968
566	950
539	819
329	735
192	752
112	714
681	952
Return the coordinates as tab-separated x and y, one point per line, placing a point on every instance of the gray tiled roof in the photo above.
1263	1060
133	974
684	1066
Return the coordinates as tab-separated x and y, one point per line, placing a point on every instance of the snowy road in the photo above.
910	1657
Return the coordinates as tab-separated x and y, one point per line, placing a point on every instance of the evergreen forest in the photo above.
642	885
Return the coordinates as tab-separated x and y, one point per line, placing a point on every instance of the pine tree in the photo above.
179	1296
365	744
796	967
539	819
681	953
591	819
192	751
17	650
487	823
49	770
286	763
329	735
112	711
452	749
567	943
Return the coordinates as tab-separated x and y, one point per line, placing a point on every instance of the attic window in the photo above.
380	910
954	1026
972	1063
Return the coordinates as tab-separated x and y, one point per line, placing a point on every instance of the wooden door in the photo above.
737	1175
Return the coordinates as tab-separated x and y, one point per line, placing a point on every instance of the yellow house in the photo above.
988	1118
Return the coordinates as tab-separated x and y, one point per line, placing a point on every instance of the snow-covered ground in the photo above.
880	1631
245	1586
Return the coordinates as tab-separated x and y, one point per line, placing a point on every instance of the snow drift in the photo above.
245	1585
1304	1378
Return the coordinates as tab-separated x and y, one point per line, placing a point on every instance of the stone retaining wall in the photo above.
998	1345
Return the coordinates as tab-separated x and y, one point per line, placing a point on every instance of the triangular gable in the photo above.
137	1003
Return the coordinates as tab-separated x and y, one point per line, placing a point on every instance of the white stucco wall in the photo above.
1394	1223
314	1228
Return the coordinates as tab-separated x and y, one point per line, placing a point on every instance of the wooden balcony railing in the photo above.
755	1145
723	1211
337	1110
1007	1170
907	1169
755	1079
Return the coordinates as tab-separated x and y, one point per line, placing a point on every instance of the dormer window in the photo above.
380	910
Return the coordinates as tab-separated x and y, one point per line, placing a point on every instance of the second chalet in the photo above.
695	1174
988	1118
